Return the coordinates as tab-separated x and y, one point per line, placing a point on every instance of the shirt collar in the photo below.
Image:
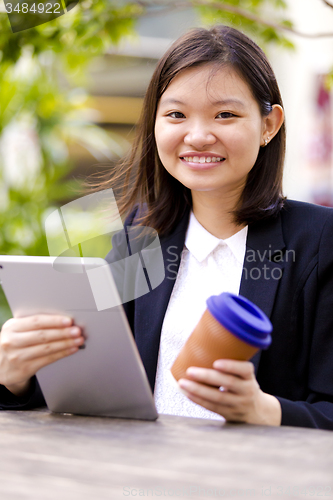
201	242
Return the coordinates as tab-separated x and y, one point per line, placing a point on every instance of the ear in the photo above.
272	124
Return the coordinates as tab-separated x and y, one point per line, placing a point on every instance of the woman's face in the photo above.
208	131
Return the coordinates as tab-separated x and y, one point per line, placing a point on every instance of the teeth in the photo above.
202	159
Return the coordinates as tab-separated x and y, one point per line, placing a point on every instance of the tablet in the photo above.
107	377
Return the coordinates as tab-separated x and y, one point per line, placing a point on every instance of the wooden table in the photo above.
46	456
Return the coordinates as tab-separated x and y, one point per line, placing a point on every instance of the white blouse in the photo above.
209	266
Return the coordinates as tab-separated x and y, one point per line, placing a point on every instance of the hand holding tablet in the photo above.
107	378
30	343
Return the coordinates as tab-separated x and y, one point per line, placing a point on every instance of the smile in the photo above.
202	159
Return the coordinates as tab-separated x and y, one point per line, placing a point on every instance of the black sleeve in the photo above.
318	414
34	398
317	410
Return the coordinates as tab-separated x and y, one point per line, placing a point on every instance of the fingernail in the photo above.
192	371
75	331
67	321
219	363
184	383
79	340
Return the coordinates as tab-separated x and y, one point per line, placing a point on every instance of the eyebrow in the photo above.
223	102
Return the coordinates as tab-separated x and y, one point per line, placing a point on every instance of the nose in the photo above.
199	135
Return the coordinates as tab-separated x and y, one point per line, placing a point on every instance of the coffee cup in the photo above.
232	327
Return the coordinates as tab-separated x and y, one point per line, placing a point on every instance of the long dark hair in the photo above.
143	178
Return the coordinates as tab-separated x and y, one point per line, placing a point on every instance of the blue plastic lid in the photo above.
242	318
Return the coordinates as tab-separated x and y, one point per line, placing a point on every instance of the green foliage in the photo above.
87	30
31	91
30	100
257	9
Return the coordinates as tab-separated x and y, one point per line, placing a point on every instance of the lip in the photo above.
206	154
201	166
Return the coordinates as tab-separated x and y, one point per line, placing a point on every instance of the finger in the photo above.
215	378
25	364
230	414
242	369
208	394
39	363
37	322
37	337
28	354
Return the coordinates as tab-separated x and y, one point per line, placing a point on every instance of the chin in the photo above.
201	189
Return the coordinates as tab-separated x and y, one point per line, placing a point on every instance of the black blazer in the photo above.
288	273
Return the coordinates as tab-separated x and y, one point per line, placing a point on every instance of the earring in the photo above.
266	141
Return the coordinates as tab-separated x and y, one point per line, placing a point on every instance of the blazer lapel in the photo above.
263	266
150	309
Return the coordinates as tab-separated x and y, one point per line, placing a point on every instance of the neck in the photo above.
214	214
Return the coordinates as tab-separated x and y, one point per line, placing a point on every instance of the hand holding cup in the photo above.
232	327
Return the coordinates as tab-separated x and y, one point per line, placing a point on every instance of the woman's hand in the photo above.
30	343
231	390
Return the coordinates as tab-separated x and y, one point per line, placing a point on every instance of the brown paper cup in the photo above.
208	342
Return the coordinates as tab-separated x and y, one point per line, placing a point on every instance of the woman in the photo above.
207	166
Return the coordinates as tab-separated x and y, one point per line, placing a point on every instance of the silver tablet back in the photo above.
107	377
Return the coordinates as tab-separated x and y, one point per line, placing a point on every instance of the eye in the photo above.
225	114
176	114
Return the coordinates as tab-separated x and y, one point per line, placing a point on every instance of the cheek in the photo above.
167	138
165	145
245	141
